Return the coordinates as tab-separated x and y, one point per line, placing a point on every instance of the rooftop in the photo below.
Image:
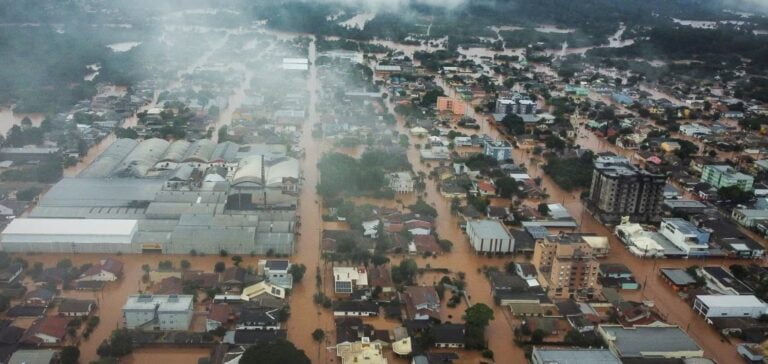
730	300
167	303
71	227
639	341
677	276
571	356
489	229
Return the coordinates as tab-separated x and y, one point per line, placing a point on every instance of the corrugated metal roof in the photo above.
94	192
26	226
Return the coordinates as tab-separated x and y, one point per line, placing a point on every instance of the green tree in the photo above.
297	271
543	208
236	260
318	335
734	194
405	272
514	124
120	344
274	352
478	315
69	355
129	133
506	187
28	194
379	259
64	264
185	264
219	267
421	207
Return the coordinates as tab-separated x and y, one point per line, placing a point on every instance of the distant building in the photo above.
76	308
401	182
500	150
49	330
545	355
449	336
695	130
218	315
454	106
347	279
729	306
489	236
355	309
37	356
517	104
363	351
108	270
276	271
653	341
29	154
568	266
690	238
749	217
621	189
70	235
158	312
421	303
622	98
720	176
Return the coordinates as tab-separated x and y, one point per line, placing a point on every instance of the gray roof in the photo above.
96	192
42	356
635	341
174	210
489	229
574	356
684	204
108	212
164	303
109	159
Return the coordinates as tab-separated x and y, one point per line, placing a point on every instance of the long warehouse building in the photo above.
156	197
70	236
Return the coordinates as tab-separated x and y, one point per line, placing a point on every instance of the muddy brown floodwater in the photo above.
305	315
463	259
110	301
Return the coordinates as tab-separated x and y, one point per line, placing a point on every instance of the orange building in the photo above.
567	264
454	106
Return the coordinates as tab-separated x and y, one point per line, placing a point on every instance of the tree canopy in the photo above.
275	352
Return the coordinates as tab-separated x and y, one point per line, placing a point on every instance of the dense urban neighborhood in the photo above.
323	182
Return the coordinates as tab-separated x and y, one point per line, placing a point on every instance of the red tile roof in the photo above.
54	326
219	312
426	243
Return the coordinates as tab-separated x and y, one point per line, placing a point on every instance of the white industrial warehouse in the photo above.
70	235
156	196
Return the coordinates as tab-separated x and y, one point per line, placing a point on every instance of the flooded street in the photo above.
306	316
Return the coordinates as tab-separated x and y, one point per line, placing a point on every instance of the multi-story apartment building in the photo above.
500	150
449	104
516	104
720	176
158	312
567	265
621	189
